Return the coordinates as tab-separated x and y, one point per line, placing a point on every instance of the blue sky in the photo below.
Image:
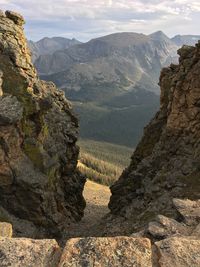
87	19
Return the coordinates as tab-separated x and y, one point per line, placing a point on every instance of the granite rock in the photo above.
107	252
18	252
178	252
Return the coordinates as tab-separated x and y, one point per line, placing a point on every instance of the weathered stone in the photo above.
39	182
17	18
11	111
178	252
5	229
1	81
165	227
18	252
165	164
189	210
107	252
196	231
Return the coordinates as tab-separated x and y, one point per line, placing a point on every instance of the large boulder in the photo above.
107	252
165	164
40	187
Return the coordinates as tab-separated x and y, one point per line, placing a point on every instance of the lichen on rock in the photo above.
39	182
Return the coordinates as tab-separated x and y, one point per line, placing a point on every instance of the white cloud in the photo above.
78	17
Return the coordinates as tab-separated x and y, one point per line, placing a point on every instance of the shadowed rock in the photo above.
40	187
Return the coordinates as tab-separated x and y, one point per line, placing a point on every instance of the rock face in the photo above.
40	188
165	164
107	252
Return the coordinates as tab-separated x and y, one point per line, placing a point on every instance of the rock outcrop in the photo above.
40	188
165	164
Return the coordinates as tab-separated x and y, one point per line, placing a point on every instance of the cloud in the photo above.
84	19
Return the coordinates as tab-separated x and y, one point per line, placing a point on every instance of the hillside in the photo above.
102	162
111	123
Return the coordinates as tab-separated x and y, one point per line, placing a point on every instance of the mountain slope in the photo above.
185	39
112	81
121	61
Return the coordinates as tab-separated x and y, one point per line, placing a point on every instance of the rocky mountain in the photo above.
112	65
120	61
185	39
47	46
165	163
40	187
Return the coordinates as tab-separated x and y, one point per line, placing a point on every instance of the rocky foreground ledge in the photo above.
40	187
164	243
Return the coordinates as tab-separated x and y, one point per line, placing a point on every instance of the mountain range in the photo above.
112	80
47	46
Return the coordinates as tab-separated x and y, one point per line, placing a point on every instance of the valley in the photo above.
103	162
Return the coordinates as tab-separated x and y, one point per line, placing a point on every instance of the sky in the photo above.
87	19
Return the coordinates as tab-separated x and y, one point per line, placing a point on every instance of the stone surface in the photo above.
5	229
165	164
189	210
178	252
15	17
165	227
196	231
40	187
1	81
107	252
18	252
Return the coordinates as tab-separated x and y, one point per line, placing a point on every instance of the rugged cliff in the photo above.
166	163
40	188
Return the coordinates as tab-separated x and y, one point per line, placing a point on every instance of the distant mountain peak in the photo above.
159	35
